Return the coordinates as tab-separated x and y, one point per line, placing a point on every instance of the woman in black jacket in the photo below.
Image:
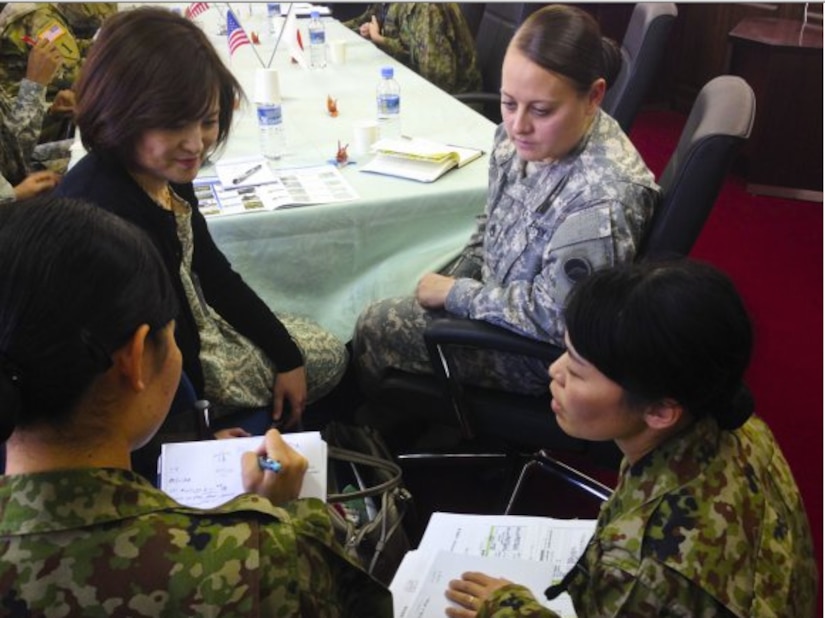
153	101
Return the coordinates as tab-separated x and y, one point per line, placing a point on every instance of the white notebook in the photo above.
418	159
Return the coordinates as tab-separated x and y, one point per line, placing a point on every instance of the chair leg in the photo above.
544	462
516	493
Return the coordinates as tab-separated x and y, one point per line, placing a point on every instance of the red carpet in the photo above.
772	248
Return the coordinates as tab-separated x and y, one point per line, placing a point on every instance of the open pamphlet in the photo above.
207	473
418	159
250	185
535	552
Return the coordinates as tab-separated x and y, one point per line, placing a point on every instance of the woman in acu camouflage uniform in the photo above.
21	119
568	195
706	520
153	101
88	368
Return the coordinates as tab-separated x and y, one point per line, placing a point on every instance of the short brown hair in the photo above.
149	69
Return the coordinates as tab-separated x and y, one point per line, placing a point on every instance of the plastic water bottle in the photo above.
273	14
388	99
317	42
271	128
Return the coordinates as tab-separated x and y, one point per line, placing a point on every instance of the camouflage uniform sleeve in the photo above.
471	260
513	601
396	31
6	191
26	118
355	22
616	592
429	39
533	307
330	583
591	238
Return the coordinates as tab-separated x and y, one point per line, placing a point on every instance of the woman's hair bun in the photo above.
611	60
739	410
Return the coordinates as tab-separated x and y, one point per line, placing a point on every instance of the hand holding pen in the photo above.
260	477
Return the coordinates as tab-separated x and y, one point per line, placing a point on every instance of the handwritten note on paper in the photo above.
207	473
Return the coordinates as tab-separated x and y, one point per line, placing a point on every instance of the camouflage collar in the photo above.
69	499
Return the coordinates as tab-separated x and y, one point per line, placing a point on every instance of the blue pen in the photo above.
266	463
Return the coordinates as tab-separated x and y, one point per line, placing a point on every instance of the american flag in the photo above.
196	8
235	33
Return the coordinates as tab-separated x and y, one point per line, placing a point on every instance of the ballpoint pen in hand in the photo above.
265	463
246	174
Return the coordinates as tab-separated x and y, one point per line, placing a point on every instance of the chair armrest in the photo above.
480	334
444	332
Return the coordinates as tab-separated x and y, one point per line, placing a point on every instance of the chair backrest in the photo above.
719	123
642	50
473	12
498	24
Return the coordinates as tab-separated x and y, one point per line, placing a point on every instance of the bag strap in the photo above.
392	468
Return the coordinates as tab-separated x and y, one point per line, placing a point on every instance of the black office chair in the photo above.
719	123
643	49
496	26
473	12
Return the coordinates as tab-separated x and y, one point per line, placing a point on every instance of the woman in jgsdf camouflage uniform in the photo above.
88	368
431	38
568	195
706	520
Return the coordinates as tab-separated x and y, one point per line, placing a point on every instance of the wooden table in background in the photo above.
782	61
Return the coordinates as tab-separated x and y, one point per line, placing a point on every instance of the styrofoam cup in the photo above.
365	134
338	52
267	88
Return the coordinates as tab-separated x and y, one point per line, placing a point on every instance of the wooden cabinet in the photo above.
699	44
782	61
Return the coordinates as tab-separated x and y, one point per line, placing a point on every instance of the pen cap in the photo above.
267	88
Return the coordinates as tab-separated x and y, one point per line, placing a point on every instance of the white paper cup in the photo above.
338	52
267	87
365	134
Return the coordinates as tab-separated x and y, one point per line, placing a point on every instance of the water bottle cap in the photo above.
313	14
386	72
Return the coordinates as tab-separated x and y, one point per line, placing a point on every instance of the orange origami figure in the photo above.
332	106
255	39
341	156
